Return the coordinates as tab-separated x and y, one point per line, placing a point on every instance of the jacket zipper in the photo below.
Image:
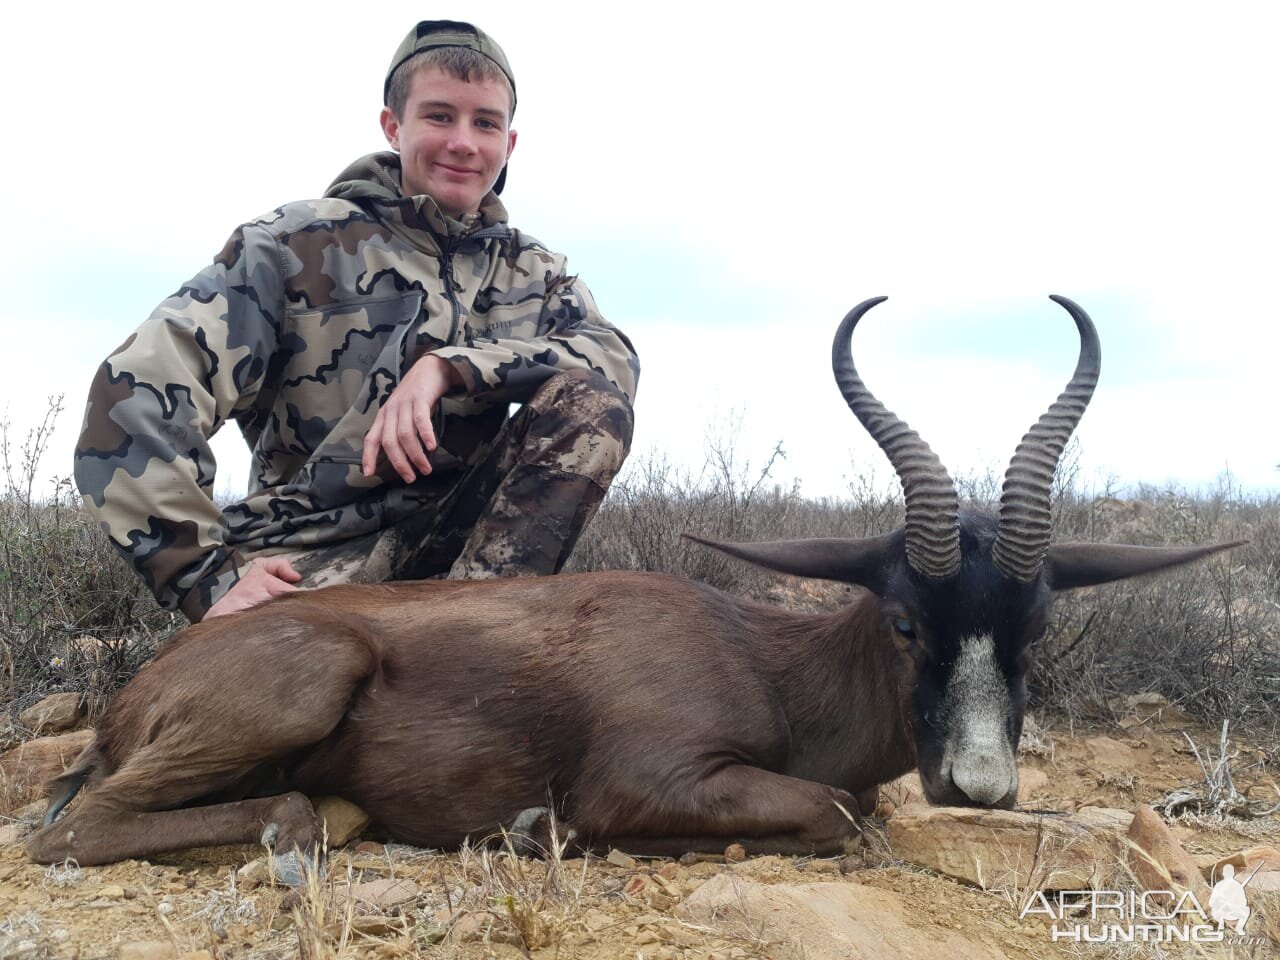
446	273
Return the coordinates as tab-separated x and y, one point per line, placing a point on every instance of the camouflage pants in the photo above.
516	511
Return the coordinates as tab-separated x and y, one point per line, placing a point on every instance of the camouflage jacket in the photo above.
298	331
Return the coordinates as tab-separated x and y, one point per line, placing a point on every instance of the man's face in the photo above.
453	138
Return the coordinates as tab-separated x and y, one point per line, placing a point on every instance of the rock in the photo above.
1158	860
820	866
679	936
1260	863
645	889
374	926
735	853
1105	818
148	950
1146	701
253	870
253	874
670	888
823	921
768	865
1030	780
469	928
343	820
1004	849
597	920
620	859
1113	754
384	894
1149	706
636	886
54	714
112	892
906	789
28	767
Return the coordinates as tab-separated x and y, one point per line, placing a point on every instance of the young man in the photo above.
368	345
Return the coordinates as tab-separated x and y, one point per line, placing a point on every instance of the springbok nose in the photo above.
985	776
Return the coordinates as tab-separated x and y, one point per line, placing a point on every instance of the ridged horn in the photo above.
1022	538
932	527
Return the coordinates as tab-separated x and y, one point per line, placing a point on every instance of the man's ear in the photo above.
391	128
511	142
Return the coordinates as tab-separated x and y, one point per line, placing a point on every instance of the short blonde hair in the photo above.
458	62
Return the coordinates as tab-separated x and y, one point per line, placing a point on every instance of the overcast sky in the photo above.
729	185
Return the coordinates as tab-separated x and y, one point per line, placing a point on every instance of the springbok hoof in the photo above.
530	833
525	829
297	869
293	867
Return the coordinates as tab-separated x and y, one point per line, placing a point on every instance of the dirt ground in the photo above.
389	901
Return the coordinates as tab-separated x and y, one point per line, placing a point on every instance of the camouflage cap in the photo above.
430	34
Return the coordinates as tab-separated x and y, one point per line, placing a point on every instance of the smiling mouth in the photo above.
456	171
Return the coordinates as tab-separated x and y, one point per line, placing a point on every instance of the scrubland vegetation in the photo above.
74	617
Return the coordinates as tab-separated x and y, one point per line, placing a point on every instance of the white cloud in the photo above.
782	162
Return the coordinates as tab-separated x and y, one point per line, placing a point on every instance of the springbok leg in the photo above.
203	719
766	812
99	831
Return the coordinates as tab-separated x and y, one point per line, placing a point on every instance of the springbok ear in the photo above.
829	558
1071	565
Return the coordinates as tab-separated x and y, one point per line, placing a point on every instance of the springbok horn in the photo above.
933	530
1022	538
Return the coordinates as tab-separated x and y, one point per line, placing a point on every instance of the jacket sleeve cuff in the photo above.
212	587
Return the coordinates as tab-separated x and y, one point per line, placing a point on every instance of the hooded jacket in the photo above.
299	330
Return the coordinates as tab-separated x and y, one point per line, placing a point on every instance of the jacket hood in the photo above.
376	177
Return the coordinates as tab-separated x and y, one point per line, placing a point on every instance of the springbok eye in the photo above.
904	627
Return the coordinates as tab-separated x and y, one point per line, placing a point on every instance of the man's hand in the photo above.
262	579
402	429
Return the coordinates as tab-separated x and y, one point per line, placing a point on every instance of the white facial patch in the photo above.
977	754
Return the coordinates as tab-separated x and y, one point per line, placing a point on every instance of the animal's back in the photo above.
495	696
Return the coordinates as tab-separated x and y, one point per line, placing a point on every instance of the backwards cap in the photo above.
430	34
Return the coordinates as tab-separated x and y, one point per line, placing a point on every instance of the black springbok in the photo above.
658	715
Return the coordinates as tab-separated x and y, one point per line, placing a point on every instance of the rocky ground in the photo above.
390	901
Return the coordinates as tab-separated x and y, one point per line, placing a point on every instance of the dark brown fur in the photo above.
648	708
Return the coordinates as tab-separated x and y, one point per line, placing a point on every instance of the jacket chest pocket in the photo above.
342	358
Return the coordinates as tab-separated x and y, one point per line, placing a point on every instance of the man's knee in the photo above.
583	425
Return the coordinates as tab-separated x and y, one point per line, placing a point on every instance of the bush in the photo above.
73	616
